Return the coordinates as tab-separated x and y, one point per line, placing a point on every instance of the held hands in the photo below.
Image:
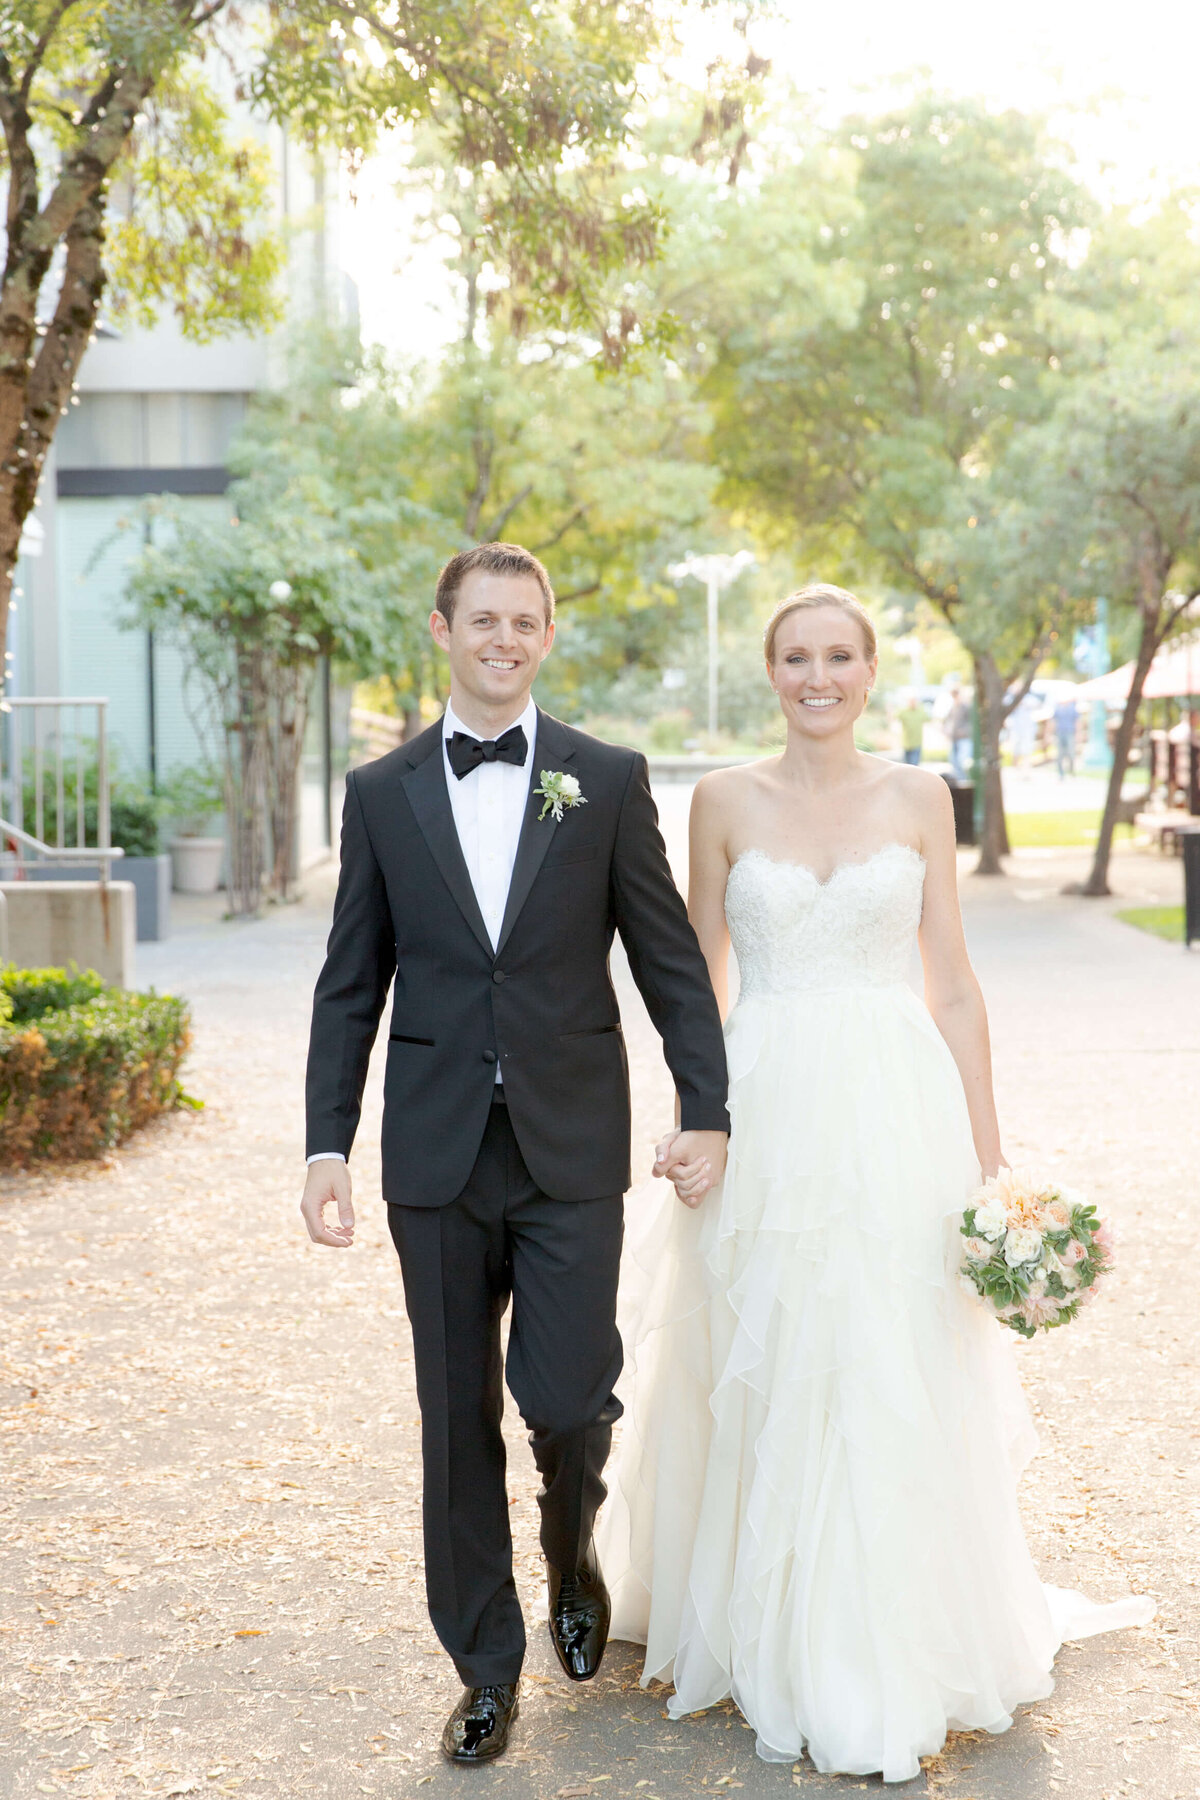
328	1184
693	1160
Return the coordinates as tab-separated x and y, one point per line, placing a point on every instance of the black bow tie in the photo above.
466	753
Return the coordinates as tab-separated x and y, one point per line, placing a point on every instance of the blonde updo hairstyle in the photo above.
808	598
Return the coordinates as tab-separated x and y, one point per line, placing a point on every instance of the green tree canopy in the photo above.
119	162
868	422
1125	452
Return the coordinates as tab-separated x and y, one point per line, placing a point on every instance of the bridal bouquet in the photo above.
1033	1250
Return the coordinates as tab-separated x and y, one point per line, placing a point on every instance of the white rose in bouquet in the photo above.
1021	1247
979	1250
990	1220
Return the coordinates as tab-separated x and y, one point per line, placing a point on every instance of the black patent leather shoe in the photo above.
477	1729
580	1611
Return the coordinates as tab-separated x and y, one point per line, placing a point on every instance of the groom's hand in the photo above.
328	1184
693	1160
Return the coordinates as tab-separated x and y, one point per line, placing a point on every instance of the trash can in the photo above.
962	793
1190	844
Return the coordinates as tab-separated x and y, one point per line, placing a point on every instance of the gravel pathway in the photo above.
210	1575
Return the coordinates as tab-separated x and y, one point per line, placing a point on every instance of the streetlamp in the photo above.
716	571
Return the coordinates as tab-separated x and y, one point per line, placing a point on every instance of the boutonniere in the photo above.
556	791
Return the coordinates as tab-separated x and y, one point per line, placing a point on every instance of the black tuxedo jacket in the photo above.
542	1003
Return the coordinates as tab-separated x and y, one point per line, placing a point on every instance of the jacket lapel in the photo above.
425	786
552	750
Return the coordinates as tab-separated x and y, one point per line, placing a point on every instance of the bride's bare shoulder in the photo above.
725	791
922	796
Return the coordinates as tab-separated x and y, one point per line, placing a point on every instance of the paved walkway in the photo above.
209	1546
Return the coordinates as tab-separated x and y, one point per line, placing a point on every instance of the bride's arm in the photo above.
708	871
952	992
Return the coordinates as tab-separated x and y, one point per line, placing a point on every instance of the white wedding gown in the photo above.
813	1503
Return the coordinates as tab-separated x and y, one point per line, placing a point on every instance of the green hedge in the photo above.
82	1064
34	992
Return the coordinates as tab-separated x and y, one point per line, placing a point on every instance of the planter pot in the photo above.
196	864
151	878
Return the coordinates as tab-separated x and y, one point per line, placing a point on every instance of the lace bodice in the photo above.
792	932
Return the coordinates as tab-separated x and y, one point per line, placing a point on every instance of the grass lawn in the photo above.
1163	921
1052	828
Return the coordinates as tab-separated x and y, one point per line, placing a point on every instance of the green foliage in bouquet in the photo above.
82	1064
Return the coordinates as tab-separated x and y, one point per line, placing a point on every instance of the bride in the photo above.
814	1506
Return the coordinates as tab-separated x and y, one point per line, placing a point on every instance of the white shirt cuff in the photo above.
326	1156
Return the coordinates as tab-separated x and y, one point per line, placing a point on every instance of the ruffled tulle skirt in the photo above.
813	1503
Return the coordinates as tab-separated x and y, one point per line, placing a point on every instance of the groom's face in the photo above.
497	639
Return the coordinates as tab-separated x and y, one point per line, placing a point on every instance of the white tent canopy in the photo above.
1174	675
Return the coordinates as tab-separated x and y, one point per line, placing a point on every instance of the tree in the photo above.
347	425
1128	447
872	424
119	162
253	602
605	480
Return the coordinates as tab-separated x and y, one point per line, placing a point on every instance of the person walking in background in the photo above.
912	729
958	731
1066	724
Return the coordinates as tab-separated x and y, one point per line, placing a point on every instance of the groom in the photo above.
485	868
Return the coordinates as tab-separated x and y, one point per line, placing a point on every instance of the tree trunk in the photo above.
245	759
38	364
1096	884
10	538
289	716
989	698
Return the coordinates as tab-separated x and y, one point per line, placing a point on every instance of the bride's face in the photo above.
821	671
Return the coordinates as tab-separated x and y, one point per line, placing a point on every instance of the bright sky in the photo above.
1133	67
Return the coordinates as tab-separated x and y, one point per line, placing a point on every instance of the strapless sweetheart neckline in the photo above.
786	862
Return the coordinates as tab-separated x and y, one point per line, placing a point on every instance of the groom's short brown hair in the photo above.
497	559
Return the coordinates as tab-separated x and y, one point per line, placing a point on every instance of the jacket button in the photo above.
489	1056
498	976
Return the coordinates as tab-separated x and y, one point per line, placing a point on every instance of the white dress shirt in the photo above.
488	807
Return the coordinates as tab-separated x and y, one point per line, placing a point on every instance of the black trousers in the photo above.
558	1261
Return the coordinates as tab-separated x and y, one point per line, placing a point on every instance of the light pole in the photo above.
716	571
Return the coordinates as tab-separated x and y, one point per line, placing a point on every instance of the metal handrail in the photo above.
52	737
67	853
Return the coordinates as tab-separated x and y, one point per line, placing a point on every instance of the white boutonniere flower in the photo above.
557	791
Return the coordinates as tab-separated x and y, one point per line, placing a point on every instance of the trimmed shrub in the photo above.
37	991
82	1064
